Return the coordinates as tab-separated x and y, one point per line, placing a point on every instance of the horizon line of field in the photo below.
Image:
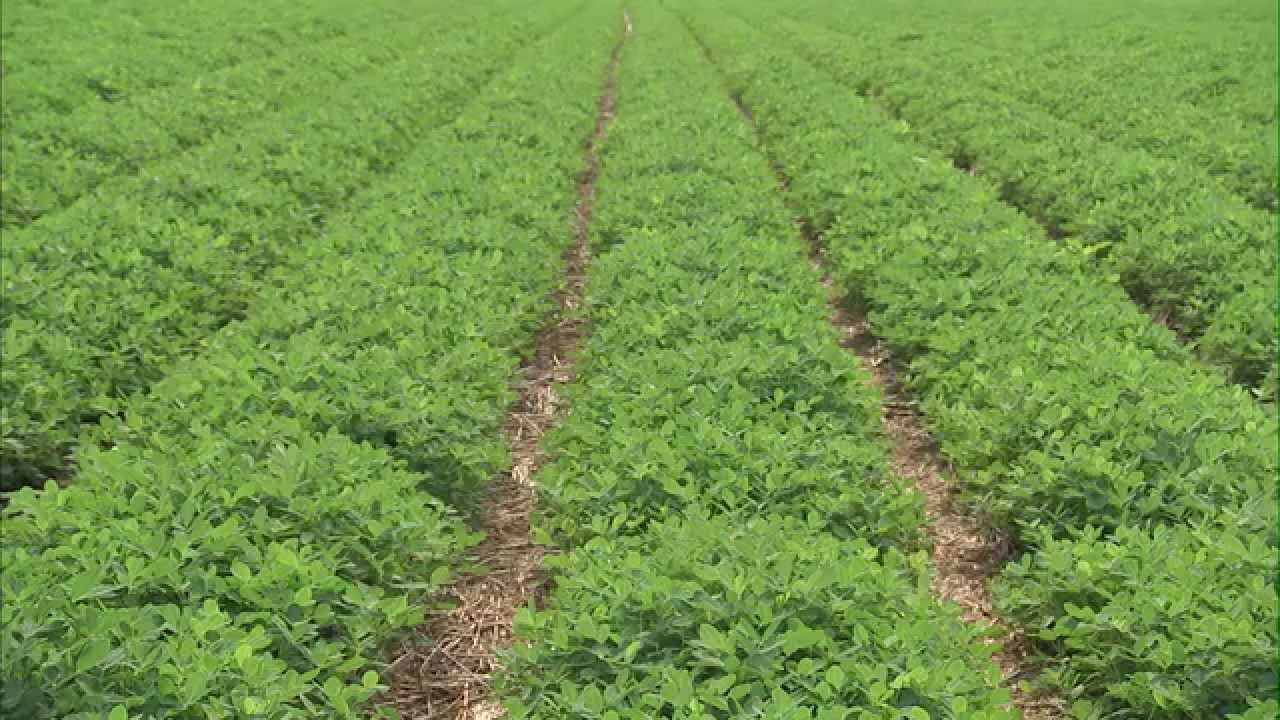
1172	152
1092	131
103	92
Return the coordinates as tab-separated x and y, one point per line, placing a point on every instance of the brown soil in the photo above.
449	677
966	551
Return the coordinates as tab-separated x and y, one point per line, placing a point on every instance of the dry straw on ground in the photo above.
966	552
448	678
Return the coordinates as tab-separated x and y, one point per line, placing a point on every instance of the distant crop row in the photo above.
53	158
60	56
1180	245
1202	93
250	532
1142	486
89	91
735	545
101	299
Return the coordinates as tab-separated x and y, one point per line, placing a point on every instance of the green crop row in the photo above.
254	529
52	159
61	56
1180	246
1065	413
1096	65
1169	622
1242	155
734	542
99	301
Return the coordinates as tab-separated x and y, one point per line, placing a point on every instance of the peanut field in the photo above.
605	360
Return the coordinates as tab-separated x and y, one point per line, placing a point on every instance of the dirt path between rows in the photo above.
966	552
449	678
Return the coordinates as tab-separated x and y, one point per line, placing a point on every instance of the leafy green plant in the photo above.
243	539
1178	620
1061	406
732	617
216	582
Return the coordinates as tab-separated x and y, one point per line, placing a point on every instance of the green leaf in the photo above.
834	676
93	653
632	648
716	640
1083	710
440	576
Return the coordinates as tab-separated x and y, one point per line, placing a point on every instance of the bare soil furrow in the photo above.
966	551
449	676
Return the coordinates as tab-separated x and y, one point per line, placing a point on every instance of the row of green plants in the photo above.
61	56
1241	154
52	159
1192	253
247	538
734	545
1213	55
100	300
1118	71
1141	487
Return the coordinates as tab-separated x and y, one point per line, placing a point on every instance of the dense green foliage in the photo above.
1180	245
52	157
257	525
269	270
155	264
1068	414
77	59
213	583
1188	80
721	484
1177	621
765	617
